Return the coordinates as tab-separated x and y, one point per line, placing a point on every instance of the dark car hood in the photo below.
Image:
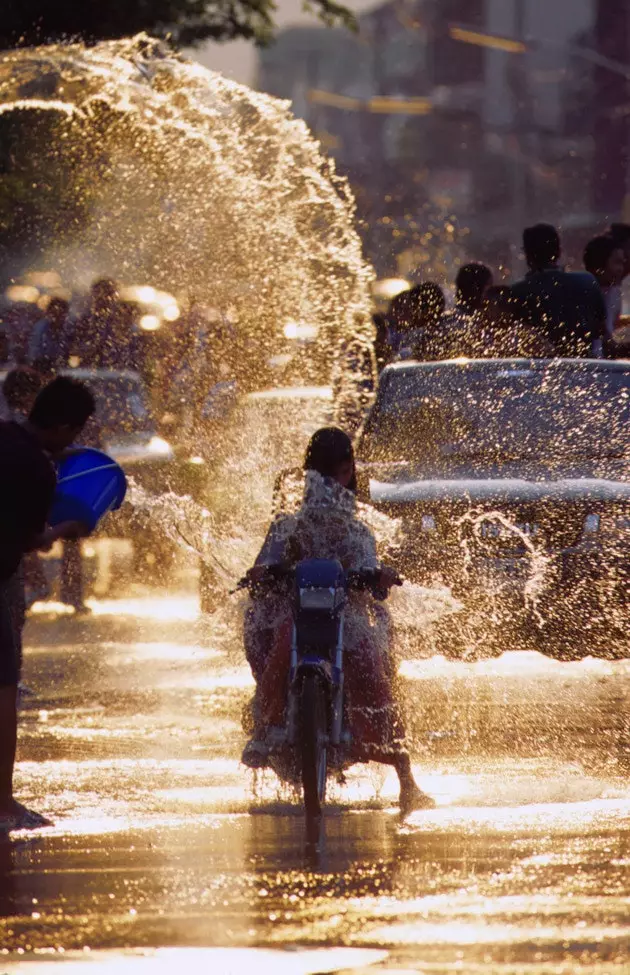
514	481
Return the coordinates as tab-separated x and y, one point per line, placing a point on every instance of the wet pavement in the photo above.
166	853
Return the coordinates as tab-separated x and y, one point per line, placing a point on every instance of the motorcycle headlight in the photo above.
318	598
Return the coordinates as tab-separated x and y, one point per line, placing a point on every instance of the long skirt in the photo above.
371	713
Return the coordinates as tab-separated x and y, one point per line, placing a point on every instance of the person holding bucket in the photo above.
27	491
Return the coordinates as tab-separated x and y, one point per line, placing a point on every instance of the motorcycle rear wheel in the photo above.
314	752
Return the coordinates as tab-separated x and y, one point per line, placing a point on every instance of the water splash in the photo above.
199	185
227	550
538	562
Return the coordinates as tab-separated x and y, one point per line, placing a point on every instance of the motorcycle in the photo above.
314	739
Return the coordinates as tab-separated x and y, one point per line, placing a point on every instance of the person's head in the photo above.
471	284
60	412
57	312
620	233
541	245
399	311
420	307
331	454
103	295
20	389
430	303
605	259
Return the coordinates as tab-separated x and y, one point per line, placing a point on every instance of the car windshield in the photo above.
507	412
121	407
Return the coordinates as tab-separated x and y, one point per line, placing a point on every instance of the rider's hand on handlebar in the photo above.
388	578
252	578
261	579
256	574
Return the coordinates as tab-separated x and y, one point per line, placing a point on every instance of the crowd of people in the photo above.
550	312
104	335
179	363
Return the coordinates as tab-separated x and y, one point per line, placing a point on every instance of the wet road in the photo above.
167	854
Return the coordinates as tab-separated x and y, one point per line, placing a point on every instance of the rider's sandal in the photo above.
255	754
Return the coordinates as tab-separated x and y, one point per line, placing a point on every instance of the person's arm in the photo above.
37	491
274	547
66	530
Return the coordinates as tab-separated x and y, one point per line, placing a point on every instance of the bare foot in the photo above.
14	815
412	798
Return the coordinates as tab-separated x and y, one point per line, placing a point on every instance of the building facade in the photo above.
485	113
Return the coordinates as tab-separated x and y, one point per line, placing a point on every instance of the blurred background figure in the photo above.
50	343
123	347
96	329
565	311
604	258
19	392
461	325
415	318
499	333
16	327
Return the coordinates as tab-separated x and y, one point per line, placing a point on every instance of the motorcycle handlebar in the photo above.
263	578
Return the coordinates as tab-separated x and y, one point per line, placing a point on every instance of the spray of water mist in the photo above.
205	188
197	185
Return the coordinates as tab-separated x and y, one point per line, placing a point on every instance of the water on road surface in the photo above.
168	855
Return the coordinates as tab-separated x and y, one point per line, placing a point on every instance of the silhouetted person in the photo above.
414	317
95	334
605	260
565	310
49	348
462	328
19	392
122	350
620	233
499	336
18	323
27	486
471	284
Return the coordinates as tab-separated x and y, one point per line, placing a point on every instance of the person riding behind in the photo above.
326	525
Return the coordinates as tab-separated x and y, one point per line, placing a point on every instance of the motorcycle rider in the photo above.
326	526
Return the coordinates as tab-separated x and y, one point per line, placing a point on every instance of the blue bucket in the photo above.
89	484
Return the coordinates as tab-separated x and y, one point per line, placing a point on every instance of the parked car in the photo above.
512	481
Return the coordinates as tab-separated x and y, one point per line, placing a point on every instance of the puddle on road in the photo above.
219	961
130	741
184	608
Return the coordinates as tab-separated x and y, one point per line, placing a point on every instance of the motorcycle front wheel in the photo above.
314	753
